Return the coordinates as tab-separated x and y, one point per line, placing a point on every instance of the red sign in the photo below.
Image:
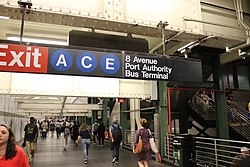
121	100
21	58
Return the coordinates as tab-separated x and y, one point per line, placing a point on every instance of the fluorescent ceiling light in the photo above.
54	111
185	46
4	17
36	40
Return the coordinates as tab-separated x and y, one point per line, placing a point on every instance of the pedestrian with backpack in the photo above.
115	131
101	135
95	130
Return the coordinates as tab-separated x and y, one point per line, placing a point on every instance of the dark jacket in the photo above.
101	130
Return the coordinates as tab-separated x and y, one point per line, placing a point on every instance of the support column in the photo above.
84	119
94	116
163	114
220	102
105	112
94	112
183	119
138	112
123	115
134	115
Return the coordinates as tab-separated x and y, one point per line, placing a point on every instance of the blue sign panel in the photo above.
110	63
132	66
61	60
84	63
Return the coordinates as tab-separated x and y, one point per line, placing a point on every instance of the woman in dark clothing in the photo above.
100	132
75	132
84	133
145	154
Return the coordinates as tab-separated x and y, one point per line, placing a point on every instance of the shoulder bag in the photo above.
152	142
24	144
139	145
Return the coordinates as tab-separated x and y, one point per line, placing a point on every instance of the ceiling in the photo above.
57	25
39	20
55	106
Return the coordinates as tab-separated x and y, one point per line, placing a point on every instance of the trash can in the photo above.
184	150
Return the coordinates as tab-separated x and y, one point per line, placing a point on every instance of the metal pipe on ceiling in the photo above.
227	26
167	40
63	104
216	24
186	49
240	18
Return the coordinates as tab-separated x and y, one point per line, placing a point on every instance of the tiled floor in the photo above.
50	154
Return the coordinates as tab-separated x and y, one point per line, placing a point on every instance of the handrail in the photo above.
205	108
239	122
238	119
213	151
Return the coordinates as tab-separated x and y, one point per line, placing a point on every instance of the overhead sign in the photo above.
159	68
36	59
83	62
20	58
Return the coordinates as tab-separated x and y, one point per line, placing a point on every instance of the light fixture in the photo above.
39	40
4	17
185	46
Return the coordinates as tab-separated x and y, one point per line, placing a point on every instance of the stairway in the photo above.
203	112
238	119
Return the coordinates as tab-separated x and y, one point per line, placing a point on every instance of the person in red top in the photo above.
11	155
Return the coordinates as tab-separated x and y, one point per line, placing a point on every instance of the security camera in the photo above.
162	24
148	98
25	3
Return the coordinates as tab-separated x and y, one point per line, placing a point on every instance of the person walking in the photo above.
242	163
115	131
233	107
66	133
52	128
94	130
101	135
145	155
44	129
248	106
75	132
248	109
11	154
58	128
30	138
84	134
244	154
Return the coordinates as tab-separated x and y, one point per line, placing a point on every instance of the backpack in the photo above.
52	127
66	131
96	125
117	135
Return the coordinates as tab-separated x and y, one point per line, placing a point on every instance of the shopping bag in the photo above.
153	145
152	142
